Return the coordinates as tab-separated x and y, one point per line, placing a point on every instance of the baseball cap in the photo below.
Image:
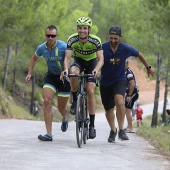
115	30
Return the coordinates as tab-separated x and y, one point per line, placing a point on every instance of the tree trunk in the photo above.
14	72
32	94
165	94
156	100
6	66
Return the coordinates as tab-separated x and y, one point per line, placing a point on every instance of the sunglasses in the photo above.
51	35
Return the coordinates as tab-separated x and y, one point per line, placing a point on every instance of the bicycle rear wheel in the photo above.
79	121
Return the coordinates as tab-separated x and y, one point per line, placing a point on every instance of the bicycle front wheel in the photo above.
79	120
86	122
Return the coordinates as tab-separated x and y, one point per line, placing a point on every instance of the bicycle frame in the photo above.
82	119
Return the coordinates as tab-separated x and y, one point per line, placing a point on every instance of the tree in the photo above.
156	101
166	92
160	17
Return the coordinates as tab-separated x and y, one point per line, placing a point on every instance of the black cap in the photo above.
115	30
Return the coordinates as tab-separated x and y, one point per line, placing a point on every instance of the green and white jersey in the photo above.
87	50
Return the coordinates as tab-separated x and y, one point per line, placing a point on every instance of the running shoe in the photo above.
92	132
122	135
73	108
46	137
112	136
64	124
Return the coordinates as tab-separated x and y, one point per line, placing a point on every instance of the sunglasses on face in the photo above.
51	35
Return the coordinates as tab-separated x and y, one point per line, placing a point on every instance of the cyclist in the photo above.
53	51
113	80
87	53
133	90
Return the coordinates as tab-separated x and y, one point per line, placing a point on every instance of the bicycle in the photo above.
81	118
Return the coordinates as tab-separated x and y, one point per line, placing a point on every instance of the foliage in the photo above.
145	25
159	13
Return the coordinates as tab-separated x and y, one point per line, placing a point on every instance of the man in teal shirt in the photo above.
53	51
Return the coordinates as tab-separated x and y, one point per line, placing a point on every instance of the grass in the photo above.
159	137
18	112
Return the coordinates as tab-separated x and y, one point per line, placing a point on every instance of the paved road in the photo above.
21	150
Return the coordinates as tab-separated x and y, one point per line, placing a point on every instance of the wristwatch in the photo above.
149	67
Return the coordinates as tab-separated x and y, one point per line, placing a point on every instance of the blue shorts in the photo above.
108	93
53	82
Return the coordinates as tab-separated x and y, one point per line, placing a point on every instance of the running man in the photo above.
53	51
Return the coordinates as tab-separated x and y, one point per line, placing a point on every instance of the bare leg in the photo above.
141	123
120	110
62	106
129	119
48	116
91	97
74	80
110	116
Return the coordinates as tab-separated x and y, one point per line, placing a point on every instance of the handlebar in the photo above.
80	75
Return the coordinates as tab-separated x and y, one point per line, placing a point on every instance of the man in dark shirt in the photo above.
113	79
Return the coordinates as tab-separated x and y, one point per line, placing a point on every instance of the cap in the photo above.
115	30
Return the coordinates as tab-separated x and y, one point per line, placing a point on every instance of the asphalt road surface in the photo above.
20	149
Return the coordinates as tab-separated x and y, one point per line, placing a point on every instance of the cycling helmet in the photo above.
84	21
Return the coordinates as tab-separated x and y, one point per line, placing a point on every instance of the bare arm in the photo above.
131	87
68	55
99	63
145	63
31	66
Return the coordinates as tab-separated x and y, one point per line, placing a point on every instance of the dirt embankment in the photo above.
146	86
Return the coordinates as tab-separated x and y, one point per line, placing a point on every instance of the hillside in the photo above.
146	86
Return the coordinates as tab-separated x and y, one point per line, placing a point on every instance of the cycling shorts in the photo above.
108	93
134	97
86	66
53	82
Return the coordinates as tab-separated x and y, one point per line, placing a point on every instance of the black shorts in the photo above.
108	93
53	82
134	97
86	66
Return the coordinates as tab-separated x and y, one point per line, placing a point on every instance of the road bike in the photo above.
81	118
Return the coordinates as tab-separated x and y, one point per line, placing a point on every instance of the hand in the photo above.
151	71
28	78
96	73
63	74
128	98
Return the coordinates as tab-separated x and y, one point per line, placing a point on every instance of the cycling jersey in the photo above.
86	51
134	96
54	57
130	76
113	69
